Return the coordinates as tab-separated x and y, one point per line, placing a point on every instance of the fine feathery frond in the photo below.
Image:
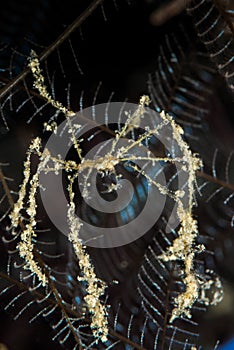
215	29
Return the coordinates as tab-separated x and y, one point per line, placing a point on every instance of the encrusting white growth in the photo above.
39	84
15	215
182	248
25	245
95	286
